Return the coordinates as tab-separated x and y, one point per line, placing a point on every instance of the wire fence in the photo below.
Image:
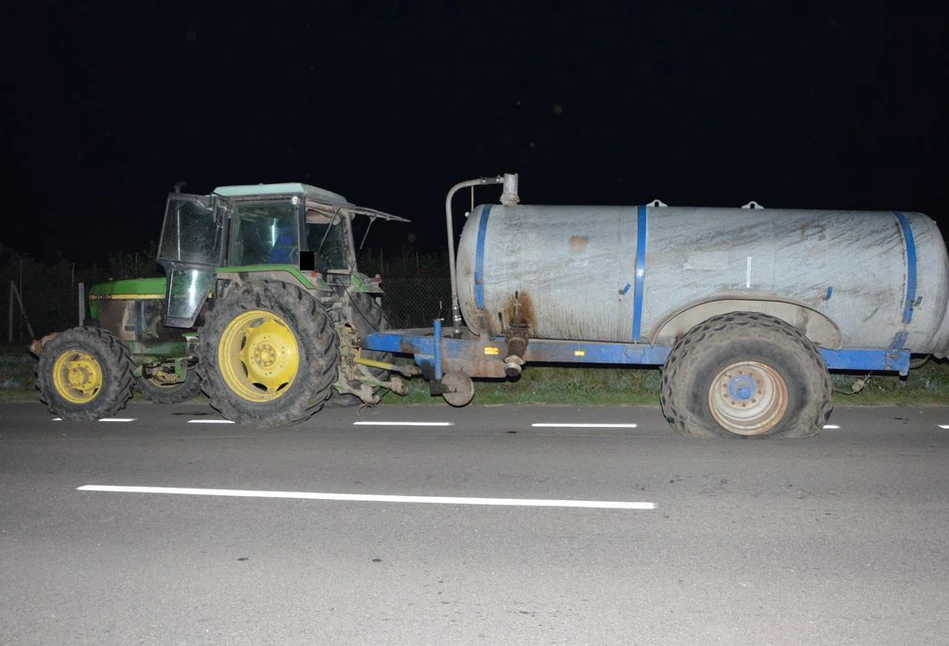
417	288
415	301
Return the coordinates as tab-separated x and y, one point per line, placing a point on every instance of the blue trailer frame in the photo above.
436	353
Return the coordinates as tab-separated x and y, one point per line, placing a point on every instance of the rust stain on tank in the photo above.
812	230
578	244
519	309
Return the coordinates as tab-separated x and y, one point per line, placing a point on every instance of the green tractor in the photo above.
262	308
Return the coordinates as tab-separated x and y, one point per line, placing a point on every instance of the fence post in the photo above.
23	317
82	302
10	324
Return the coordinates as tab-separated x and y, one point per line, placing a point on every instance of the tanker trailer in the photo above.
746	309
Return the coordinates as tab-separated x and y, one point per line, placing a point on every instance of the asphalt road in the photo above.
842	539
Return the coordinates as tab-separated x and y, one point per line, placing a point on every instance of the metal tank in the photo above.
849	279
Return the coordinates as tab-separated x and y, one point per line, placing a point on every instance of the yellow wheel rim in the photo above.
77	377
259	356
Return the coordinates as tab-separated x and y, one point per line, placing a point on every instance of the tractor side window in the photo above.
190	233
328	236
264	233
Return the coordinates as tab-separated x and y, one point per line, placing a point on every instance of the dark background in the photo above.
823	105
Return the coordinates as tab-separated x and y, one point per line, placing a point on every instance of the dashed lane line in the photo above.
351	497
403	423
105	419
559	425
210	421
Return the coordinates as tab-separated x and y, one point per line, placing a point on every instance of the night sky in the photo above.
809	105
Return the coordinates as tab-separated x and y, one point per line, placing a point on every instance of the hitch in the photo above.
405	370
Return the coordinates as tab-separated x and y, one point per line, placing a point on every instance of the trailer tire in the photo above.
267	354
159	393
84	374
746	374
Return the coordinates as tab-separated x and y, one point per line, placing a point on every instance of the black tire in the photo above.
746	374
84	374
298	386
160	393
365	314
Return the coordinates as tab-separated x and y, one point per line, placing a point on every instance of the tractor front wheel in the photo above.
268	354
84	374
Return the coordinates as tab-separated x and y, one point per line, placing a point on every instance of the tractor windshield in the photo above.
265	233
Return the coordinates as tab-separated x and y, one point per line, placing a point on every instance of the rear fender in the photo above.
816	326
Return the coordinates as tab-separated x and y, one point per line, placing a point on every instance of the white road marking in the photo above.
352	497
831	427
210	421
105	419
403	423
945	427
559	425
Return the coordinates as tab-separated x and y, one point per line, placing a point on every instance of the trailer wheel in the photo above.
160	392
461	387
746	374
84	374
268	354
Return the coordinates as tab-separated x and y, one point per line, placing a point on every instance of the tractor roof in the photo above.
317	198
285	188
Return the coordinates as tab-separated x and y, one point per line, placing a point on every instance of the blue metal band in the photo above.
437	350
910	243
479	257
640	271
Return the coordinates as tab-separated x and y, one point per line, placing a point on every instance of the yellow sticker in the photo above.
579	353
491	351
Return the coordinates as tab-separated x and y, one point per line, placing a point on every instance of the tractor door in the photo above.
190	251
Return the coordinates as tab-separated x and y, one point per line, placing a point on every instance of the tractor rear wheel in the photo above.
84	374
268	354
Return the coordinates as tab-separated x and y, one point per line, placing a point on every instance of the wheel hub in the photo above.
265	355
748	398
742	388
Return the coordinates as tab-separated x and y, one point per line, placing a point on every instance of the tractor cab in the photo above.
253	228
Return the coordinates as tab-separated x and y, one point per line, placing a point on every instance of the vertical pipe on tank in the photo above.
482	181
